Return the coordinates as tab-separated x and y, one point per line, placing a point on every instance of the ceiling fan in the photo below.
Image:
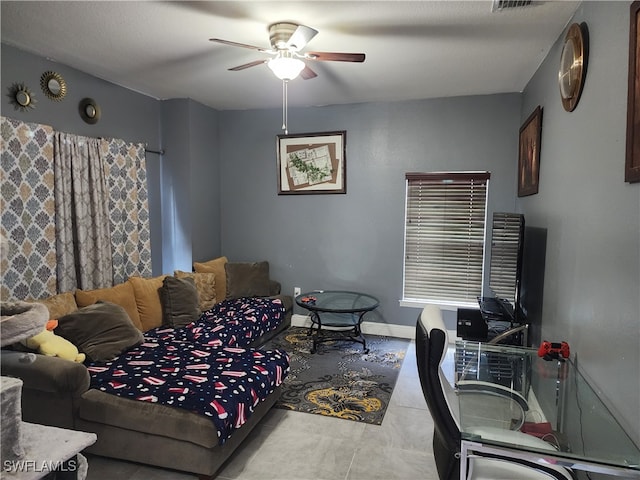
287	40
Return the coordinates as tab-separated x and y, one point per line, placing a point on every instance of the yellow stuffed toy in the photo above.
48	343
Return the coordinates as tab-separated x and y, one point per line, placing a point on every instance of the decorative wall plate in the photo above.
89	110
573	65
21	97
53	85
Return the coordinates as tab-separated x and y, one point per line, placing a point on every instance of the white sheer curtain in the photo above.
83	240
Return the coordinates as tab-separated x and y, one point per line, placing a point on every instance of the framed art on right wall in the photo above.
529	154
632	163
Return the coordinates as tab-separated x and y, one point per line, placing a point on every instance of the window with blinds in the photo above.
445	236
507	232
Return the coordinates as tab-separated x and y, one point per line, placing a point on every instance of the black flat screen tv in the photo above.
531	285
507	234
516	277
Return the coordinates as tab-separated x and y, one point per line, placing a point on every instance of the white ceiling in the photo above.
414	50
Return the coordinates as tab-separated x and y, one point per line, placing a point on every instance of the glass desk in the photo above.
563	409
341	311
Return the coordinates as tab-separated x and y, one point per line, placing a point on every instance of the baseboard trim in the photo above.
370	328
373	328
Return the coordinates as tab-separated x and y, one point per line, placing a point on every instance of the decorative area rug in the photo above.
340	380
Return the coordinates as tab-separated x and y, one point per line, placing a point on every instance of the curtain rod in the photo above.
159	152
147	150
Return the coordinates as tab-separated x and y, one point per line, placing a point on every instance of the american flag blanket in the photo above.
201	367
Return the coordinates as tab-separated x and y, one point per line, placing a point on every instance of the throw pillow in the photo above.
179	301
215	266
102	331
205	285
148	300
245	279
59	305
121	294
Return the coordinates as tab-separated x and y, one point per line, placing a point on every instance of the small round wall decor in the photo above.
89	110
21	97
53	85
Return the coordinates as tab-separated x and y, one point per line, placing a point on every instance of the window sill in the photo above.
453	306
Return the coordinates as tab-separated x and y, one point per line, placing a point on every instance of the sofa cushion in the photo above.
121	294
59	305
205	285
215	266
151	418
179	301
148	300
245	279
102	331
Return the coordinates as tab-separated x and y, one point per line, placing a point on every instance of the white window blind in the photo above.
444	236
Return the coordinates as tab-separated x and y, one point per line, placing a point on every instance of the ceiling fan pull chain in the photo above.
285	106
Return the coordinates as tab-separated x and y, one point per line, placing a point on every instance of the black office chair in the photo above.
431	349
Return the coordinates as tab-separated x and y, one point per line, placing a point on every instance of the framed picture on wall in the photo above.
529	154
312	163
632	163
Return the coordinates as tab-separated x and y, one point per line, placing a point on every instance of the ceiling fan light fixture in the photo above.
285	67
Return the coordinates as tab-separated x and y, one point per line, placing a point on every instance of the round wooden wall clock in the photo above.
573	65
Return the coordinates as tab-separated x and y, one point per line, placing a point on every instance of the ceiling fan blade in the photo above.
300	37
307	73
248	65
335	57
242	45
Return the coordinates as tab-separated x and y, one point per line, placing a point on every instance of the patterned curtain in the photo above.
74	212
28	264
83	240
126	172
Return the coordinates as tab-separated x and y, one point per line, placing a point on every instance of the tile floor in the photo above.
290	445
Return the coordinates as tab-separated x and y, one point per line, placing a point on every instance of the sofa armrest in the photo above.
46	374
274	287
287	302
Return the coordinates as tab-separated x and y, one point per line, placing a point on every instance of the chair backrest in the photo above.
431	349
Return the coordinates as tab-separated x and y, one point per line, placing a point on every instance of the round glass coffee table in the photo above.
340	312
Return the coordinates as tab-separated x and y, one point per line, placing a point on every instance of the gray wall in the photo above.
592	278
190	185
355	241
205	183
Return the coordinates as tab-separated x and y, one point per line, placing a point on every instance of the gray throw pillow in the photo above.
180	304
247	279
102	331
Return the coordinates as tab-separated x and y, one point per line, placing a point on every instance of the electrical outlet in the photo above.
296	291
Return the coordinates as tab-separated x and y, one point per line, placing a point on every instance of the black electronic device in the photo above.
471	325
531	288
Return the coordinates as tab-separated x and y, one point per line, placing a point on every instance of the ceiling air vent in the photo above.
502	4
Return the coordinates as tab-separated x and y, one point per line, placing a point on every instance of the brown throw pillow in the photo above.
179	301
215	266
60	304
205	285
102	331
246	279
145	291
121	294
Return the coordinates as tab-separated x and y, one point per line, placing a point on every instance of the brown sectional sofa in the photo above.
56	391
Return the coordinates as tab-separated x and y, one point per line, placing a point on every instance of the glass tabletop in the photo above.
337	301
562	408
